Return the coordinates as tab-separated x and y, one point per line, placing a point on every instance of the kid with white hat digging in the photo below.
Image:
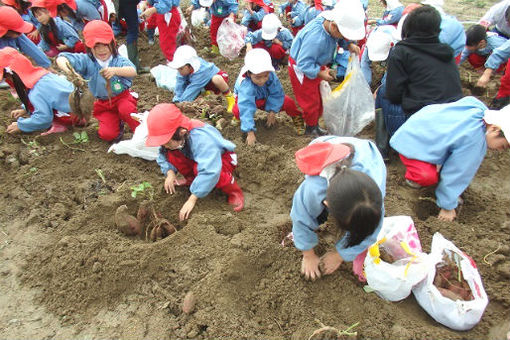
258	87
196	74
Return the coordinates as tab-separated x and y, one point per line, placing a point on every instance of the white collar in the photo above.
104	64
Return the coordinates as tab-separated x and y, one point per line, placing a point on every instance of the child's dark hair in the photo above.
65	7
113	49
23	5
475	34
21	89
46	29
355	201
425	21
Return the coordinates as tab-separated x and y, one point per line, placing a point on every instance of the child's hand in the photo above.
187	207
18	113
447	215
189	10
250	138
331	261
353	48
33	35
13	128
232	17
310	265
62	47
108	72
277	41
324	75
170	182
271	119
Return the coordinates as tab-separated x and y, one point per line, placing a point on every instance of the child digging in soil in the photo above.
196	74
196	150
344	177
110	77
453	137
44	95
258	87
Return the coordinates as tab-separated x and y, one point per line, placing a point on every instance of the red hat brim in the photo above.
312	159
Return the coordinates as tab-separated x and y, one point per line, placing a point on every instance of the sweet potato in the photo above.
126	223
188	304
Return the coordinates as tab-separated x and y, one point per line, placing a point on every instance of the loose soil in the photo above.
67	272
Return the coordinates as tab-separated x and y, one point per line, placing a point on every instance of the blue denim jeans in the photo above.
127	10
394	116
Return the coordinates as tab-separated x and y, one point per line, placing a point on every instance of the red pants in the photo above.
277	52
423	173
168	33
504	87
110	113
69	120
152	23
289	106
215	24
295	30
478	61
188	168
210	85
307	95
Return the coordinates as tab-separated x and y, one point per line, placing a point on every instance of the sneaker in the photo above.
231	101
315	131
413	184
299	124
235	121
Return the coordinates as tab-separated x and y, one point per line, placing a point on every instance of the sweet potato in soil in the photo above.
450	281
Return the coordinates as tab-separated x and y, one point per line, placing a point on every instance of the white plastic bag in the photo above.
230	38
399	240
457	314
351	106
198	17
135	147
165	77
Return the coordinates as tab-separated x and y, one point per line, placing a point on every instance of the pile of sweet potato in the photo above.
449	279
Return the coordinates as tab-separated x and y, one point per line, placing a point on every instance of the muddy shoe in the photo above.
299	125
315	131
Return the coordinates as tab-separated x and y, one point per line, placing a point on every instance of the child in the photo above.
312	11
479	45
78	12
23	9
454	137
196	150
378	46
255	11
220	9
297	7
110	76
392	13
272	37
499	17
344	177
44	95
258	87
57	35
497	60
168	20
196	74
12	29
313	49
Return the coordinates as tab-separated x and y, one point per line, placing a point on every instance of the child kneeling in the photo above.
258	87
197	151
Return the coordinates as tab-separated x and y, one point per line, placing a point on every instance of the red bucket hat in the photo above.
17	62
97	31
51	5
11	3
312	159
11	20
164	120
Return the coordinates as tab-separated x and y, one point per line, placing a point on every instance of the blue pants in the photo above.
127	10
394	116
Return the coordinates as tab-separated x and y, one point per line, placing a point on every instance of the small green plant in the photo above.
99	172
35	148
80	138
144	188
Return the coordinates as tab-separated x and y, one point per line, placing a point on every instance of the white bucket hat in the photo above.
499	118
328	2
270	26
183	55
379	42
257	61
205	3
349	16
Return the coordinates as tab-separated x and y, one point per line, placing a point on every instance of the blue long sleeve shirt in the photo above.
222	8
451	135
391	17
89	69
50	93
308	201
498	56
84	10
248	93
296	10
283	7
26	46
187	88
206	146
255	17
164	6
65	32
493	41
312	48
283	35
452	33
30	18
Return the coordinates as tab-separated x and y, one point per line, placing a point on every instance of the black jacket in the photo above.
422	71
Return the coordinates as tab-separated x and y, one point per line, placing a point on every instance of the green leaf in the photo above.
84	136
133	193
76	136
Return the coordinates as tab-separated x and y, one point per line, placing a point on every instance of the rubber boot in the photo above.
235	195
382	137
314	130
231	101
132	50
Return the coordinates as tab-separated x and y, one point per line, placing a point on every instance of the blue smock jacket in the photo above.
84	10
26	46
296	10
452	33
89	69
187	88
451	135
283	35
164	6
248	93
493	41
30	18
255	17
391	17
498	56
222	8
308	15
51	92
307	204
312	48
65	32
206	146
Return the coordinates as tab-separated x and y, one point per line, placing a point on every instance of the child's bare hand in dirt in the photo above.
331	261
18	113
271	119
170	182
108	72
325	75
484	79
13	128
187	207
447	215
62	47
250	138
310	265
